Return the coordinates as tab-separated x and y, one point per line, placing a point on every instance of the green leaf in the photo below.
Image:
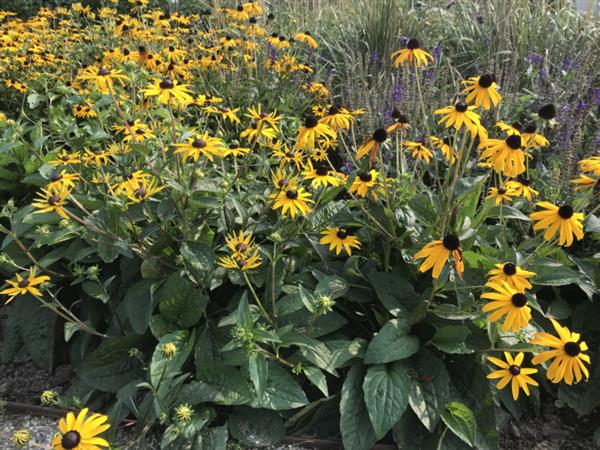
256	427
392	343
318	378
461	421
385	389
395	292
139	305
164	367
355	425
159	326
332	286
180	302
224	384
553	274
282	391
109	367
451	339
428	392
200	257
259	371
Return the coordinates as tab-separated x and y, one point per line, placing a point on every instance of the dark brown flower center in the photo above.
413	44
140	192
54	199
509	269
70	440
311	122
380	135
461	107
199	143
103	72
485	81
514	141
451	242
241	247
57	177
23	283
292	194
365	176
547	112
519	300
531	128
334	110
342	234
572	348
565	211
514	370
321	171
166	83
501	191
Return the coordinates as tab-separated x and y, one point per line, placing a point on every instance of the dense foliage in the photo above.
236	229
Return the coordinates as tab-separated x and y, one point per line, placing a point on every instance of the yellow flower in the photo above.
81	433
532	139
63	179
241	262
522	188
338	239
591	164
65	157
168	350
445	145
558	219
184	412
103	78
292	201
501	194
567	354
460	114
505	155
371	145
363	182
482	91
321	175
310	131
413	55
512	372
436	255
143	189
516	277
307	38
134	130
169	92
83	111
337	118
52	199
49	398
419	151
509	302
201	145
21	438
583	182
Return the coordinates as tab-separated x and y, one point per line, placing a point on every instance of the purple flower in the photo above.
582	105
374	56
544	73
568	64
437	53
597	140
534	58
404	40
272	52
397	92
596	96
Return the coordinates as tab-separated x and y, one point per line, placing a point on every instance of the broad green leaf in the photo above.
164	367
139	305
355	425
318	378
259	370
461	421
332	286
385	389
282	390
395	292
256	427
553	274
428	392
180	302
451	339
224	384
392	343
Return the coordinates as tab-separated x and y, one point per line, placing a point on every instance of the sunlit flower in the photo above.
52	199
501	194
512	372
460	114
419	151
103	78
310	131
567	354
562	219
339	239
482	91
508	303
532	139
169	92
436	255
364	182
307	38
505	155
22	286
292	201
412	55
321	175
145	188
521	187
371	146
513	275
201	145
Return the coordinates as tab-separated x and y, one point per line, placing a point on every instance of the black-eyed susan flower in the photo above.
130	181
145	188
419	151
65	157
292	201
96	157
201	145
235	151
400	123
364	182
241	262
514	128
482	91
338	118
511	371
307	38
562	219
532	139
590	165
436	255
311	130
505	155
461	115
81	432
583	182
22	286
445	145
169	92
339	239
567	353
63	179
501	194
83	111
103	78
371	146
547	112
287	156
522	187
258	130
240	243
282	179
272	118
321	174
508	303
412	55
52	199
516	277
